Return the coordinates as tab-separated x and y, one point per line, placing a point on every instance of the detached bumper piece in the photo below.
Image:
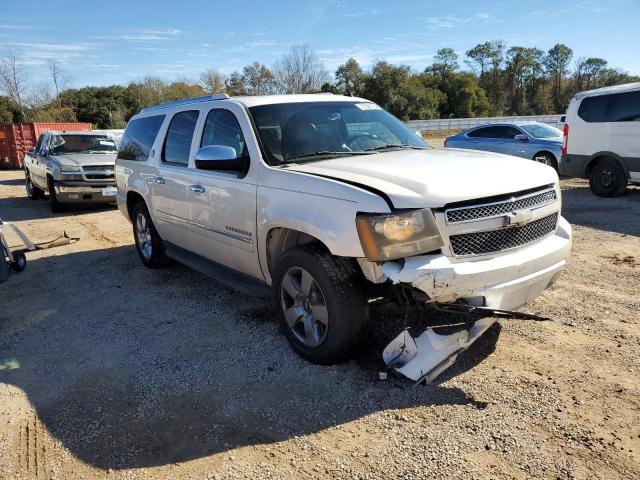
424	358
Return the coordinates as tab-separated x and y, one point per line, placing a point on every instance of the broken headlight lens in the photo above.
398	235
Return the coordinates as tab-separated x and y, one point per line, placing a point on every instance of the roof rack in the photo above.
186	101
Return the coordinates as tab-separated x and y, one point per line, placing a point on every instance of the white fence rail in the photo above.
464	123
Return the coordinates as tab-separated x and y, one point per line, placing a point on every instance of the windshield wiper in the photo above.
394	145
324	153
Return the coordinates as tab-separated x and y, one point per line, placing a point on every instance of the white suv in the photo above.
602	138
330	201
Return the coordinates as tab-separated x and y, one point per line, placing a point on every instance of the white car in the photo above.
329	202
602	138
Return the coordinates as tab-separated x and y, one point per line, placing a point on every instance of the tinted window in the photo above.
222	128
177	144
494	132
138	138
592	109
623	107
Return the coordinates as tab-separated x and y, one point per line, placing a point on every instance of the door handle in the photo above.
159	180
197	188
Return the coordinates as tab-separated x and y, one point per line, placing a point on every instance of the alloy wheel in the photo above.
304	307
143	235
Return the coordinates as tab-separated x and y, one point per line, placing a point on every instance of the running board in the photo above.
221	273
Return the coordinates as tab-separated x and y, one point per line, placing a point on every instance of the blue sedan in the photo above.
532	140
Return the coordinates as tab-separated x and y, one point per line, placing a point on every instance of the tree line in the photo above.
497	81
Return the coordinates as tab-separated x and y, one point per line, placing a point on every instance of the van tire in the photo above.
154	255
607	178
337	288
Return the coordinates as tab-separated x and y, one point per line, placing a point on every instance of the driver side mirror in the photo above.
522	137
221	158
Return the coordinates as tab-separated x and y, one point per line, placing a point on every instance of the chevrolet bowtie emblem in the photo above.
518	217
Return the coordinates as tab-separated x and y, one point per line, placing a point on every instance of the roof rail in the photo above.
186	101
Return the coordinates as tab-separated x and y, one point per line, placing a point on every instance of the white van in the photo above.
602	138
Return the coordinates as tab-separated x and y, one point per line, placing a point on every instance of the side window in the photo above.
177	144
139	137
510	132
623	107
222	128
592	109
39	144
479	133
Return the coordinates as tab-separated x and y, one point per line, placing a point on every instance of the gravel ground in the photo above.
110	370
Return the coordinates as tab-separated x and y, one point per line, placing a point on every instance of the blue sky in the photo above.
102	43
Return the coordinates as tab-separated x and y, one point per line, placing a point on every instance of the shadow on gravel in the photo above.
129	367
15	209
620	214
12	182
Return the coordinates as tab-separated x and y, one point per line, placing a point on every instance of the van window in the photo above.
177	144
623	107
618	107
139	137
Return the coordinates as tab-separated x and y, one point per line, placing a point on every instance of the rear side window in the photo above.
138	138
619	107
177	144
494	132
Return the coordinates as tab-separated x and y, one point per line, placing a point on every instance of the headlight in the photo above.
70	168
398	235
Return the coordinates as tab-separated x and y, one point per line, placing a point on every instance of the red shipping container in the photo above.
16	139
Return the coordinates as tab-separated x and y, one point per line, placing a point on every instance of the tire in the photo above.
33	192
19	262
607	178
547	159
320	303
149	245
56	206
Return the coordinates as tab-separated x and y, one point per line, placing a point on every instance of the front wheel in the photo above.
148	242
607	179
33	192
547	159
320	303
56	206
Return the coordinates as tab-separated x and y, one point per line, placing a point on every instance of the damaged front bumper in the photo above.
502	282
506	281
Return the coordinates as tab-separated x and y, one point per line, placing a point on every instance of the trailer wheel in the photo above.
19	262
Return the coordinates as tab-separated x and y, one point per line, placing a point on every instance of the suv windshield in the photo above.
62	144
302	132
541	131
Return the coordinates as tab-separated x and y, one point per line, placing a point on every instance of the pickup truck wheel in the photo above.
56	206
33	192
148	242
320	304
607	179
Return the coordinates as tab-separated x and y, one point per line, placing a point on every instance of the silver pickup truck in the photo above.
72	167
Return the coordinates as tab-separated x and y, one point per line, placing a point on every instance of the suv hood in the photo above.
81	159
434	178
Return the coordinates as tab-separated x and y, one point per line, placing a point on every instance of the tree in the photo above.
557	63
480	56
59	78
350	78
299	71
212	82
9	112
255	79
445	62
13	81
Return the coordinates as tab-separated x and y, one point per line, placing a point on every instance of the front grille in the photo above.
480	243
480	212
99	172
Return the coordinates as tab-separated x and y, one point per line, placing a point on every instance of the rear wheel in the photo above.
33	192
148	242
320	303
56	206
547	159
607	178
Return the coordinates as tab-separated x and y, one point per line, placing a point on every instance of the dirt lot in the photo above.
110	370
